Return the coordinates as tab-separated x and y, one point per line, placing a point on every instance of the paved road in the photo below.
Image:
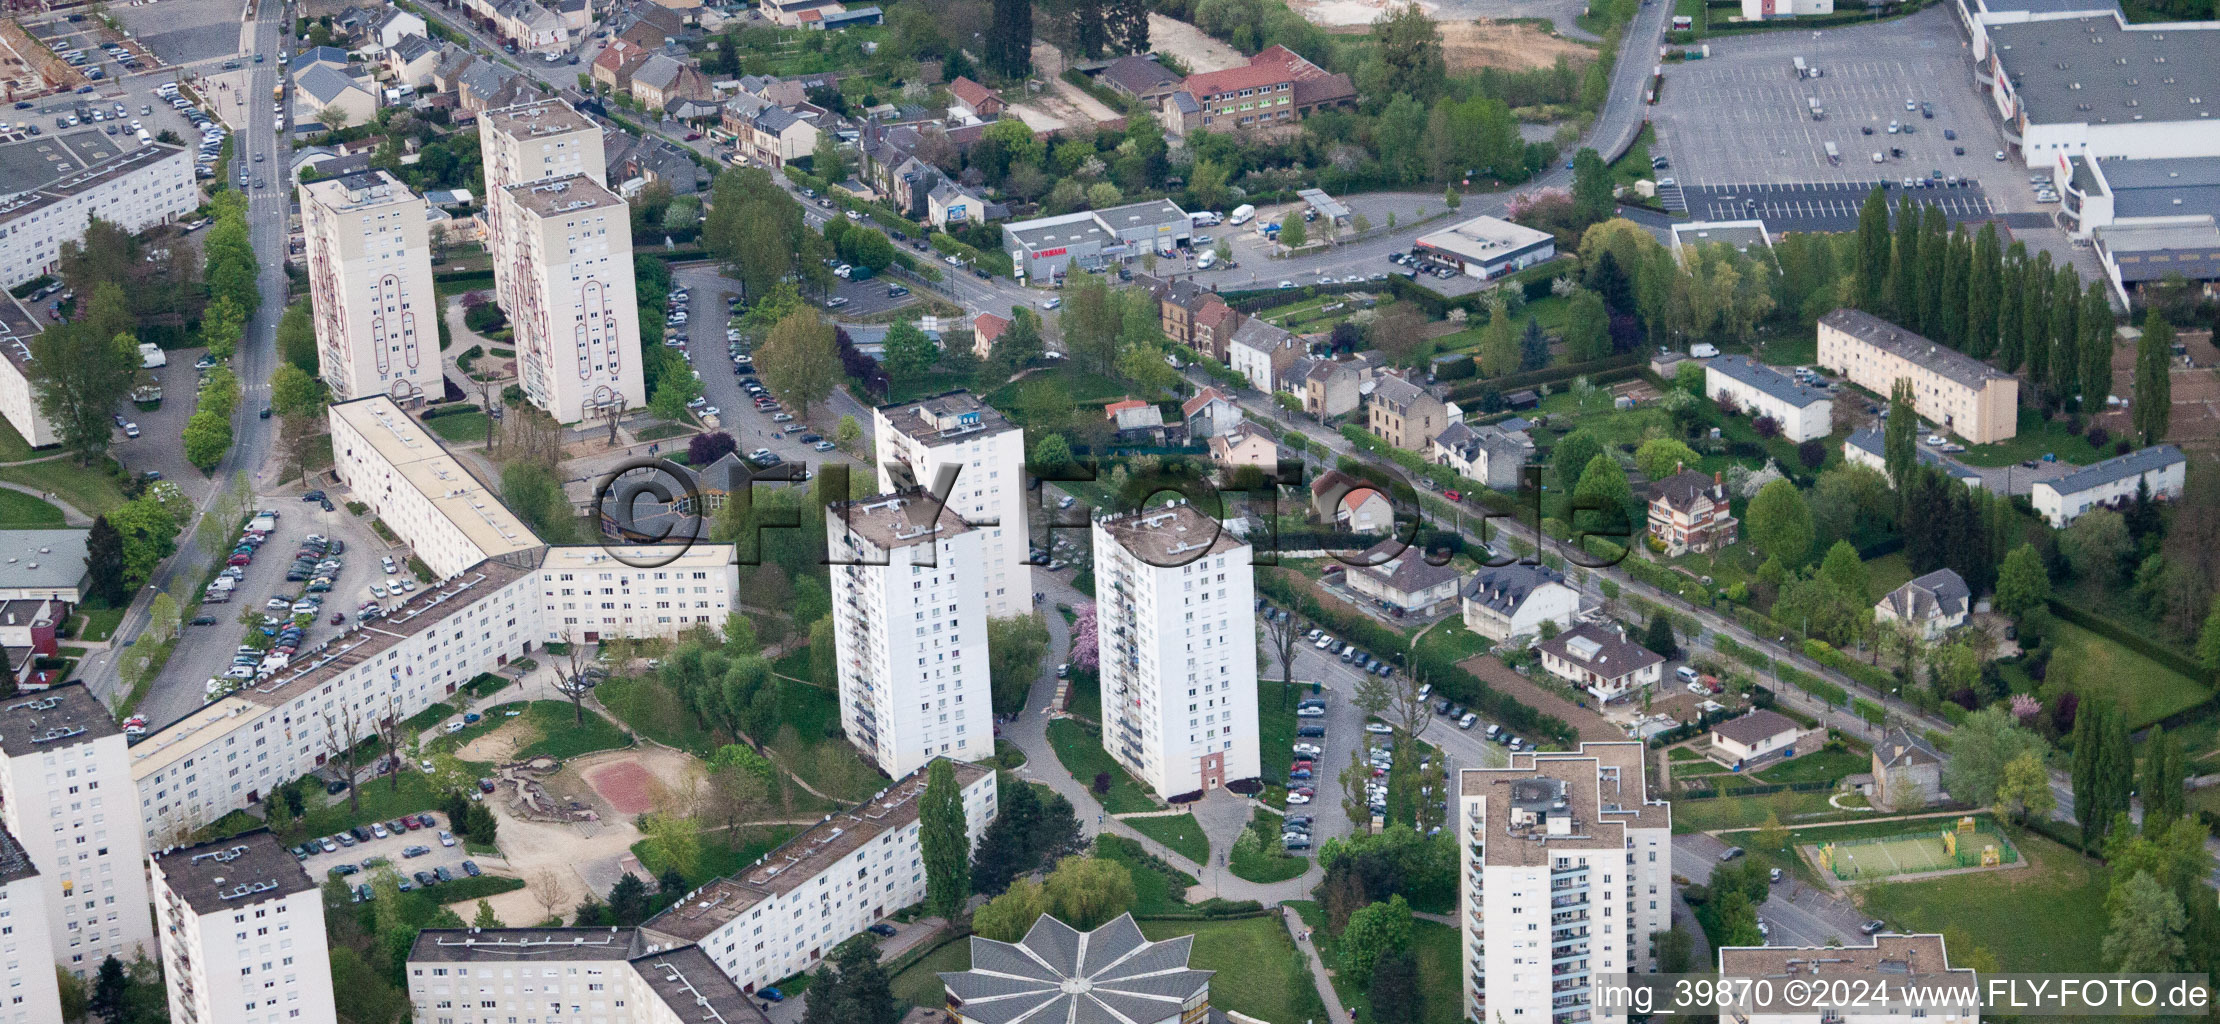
257	355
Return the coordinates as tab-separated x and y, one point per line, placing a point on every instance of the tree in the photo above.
108	988
1661	457
75	1000
1843	569
628	900
1292	232
1659	637
799	362
672	394
207	437
1593	191
1409	47
294	391
1571	456
1676	950
2065	334
1900	440
1904	266
909	353
2154	386
78	378
1772	835
2096	545
1873	253
104	563
1587	328
848	433
1007	917
1499	346
1374	932
486	917
1394	992
1088	892
2022	584
1984	276
161	618
221	325
944	841
2024	789
2146	932
1780	524
1980	748
1604	491
2162	780
2097	331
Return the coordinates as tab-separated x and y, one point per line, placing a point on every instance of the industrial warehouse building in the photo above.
1489	247
1043	249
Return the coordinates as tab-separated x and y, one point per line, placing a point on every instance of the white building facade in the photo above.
134	190
26	955
424	495
786	912
1803	412
567	976
906	611
576	313
243	929
1175	606
589	593
65	794
2161	468
957	431
1566	870
370	280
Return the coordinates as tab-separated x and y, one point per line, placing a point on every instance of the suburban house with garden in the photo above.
2113	482
1933	604
1210	413
1245	446
1405	414
1738	382
1517	599
1486	453
1598	657
1763	735
1907	773
1347	503
1334	387
1262	353
1398	577
1689	512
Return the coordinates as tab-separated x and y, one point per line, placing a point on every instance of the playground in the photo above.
1966	844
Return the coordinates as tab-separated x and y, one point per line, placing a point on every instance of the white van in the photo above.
1242	214
1208	259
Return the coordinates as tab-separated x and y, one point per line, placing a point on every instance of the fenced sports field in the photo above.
1969	844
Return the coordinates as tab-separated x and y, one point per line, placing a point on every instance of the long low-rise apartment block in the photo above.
787	911
567	976
422	493
19	403
56	184
1803	412
2115	481
1963	395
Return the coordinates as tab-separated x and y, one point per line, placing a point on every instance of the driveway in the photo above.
157	448
707	292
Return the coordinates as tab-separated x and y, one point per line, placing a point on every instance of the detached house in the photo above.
1345	502
975	100
1597	657
1209	414
1334	387
662	80
1246	445
1907	773
985	328
1689	512
1514	600
1398	577
1404	414
1486	453
1934	604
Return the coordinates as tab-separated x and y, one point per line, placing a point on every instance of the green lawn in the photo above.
1274	864
1082	387
2100	668
1750	811
13	448
459	426
1635	164
1260	972
1452	638
92	489
1438	949
381	801
1079	748
2037	437
815	753
1887	573
1084	697
97	624
1152	886
648	708
1683	754
1178	832
1824	766
919	983
20	511
2044	917
719	857
562	738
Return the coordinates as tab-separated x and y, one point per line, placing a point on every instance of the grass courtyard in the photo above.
1179	833
1079	749
20	511
2100	668
2044	917
93	490
1435	944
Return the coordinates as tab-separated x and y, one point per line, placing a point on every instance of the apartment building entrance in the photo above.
1213	770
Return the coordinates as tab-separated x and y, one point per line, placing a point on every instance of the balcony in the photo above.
1571	885
1568	917
1574	900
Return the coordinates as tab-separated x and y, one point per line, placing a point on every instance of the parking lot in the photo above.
182	686
1825	207
185	31
707	294
393	850
1742	117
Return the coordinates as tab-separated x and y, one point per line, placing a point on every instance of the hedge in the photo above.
1827	654
2130	639
1873	713
996	262
1437	667
1608	370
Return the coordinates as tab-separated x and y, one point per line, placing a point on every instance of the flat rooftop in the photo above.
1171	535
2117	468
42	559
468	505
36	161
525	945
426	608
2157	252
188	735
950	418
901	520
1602	792
569	194
690	984
231	873
539	117
802	858
1742	234
1768	380
2092	70
55	719
362	190
1913	348
1889	954
17	328
85	180
2161	188
1052	232
1485	239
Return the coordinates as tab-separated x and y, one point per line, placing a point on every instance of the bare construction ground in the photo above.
1512	46
1190	46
